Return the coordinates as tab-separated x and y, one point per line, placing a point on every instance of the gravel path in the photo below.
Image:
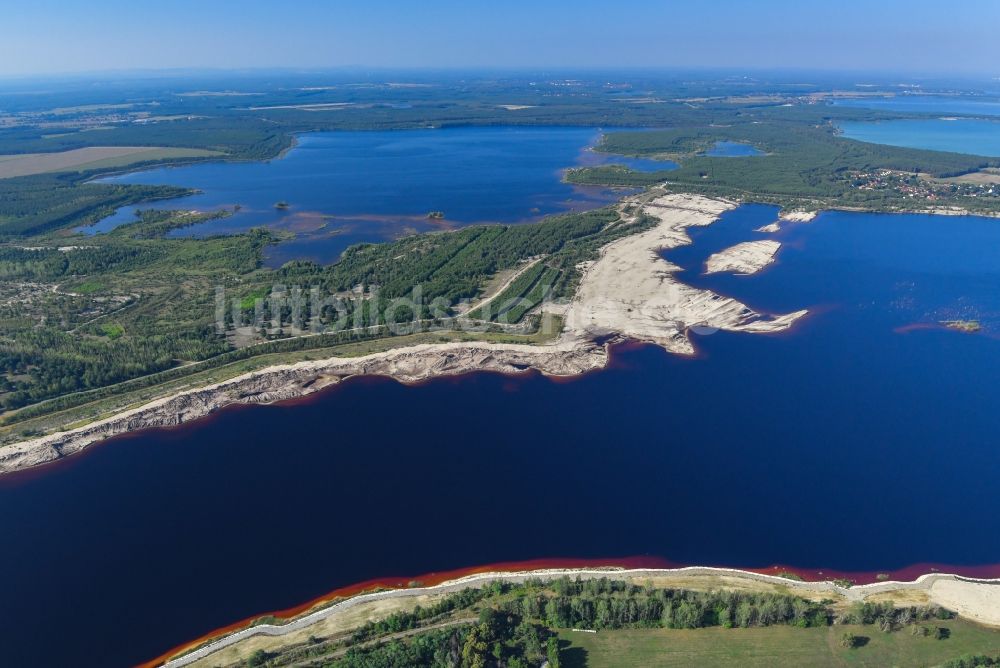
969	603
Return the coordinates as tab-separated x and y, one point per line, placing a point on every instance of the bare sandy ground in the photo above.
324	627
745	258
632	291
770	228
797	216
977	600
974	600
628	292
787	217
567	357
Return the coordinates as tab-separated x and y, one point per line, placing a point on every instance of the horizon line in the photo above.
728	70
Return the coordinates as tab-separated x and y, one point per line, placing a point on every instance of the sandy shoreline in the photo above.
629	292
283	382
974	599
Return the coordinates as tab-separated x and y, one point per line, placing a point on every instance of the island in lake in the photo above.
282	410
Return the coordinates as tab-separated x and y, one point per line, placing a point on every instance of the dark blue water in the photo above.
853	442
732	149
344	188
890	271
930	104
961	135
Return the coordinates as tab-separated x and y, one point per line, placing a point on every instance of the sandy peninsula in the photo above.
975	599
744	259
629	292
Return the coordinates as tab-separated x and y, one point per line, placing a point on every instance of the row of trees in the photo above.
597	605
516	622
451	265
497	640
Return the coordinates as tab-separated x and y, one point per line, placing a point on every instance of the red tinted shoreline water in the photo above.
908	574
843	443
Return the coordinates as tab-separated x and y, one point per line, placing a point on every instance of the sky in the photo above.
916	36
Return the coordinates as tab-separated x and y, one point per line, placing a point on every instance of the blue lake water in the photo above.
978	137
864	439
929	104
344	188
732	149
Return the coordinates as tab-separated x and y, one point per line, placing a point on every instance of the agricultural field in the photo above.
772	647
92	158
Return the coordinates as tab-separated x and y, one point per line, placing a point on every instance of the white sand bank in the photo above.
797	216
632	291
745	258
770	228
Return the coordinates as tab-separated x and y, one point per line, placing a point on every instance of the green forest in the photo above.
85	313
34	205
805	162
517	625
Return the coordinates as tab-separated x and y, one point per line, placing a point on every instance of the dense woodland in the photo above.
33	205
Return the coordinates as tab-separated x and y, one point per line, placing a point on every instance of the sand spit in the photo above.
797	216
628	292
787	217
565	358
770	228
745	258
632	291
977	600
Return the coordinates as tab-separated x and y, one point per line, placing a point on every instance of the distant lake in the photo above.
863	439
978	137
344	188
931	104
732	149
